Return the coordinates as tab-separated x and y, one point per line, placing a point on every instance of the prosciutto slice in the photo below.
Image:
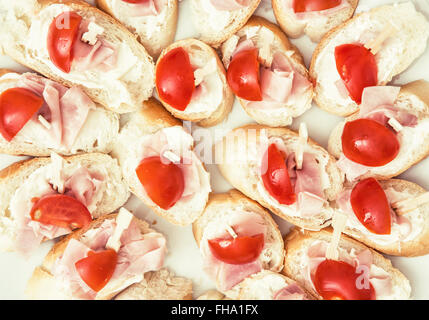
228	275
65	110
138	254
229	5
146	8
290	292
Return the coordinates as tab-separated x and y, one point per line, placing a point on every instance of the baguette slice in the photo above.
260	30
396	54
24	26
19	175
215	26
298	241
205	113
149	120
238	163
317	23
155	286
416	244
220	207
212	295
96	135
414	98
155	32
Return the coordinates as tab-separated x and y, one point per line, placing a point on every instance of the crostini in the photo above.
368	50
76	44
100	261
40	116
267	73
45	198
388	135
313	18
217	20
354	272
237	238
154	21
159	165
191	83
390	216
284	171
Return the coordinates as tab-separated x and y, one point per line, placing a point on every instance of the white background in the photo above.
183	256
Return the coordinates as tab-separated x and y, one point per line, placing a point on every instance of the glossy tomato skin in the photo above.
314	5
175	80
243	75
371	207
357	68
163	182
338	280
369	143
240	250
17	107
61	211
276	176
62	35
97	268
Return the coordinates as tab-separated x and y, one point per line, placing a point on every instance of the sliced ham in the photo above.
290	292
228	275
146	8
230	5
66	110
379	278
138	254
317	14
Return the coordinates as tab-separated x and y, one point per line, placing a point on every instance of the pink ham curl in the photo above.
230	5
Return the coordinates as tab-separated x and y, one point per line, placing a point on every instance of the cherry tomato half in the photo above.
357	68
338	280
62	211
62	35
369	143
164	183
243	75
17	107
276	176
314	5
371	207
97	268
240	250
175	80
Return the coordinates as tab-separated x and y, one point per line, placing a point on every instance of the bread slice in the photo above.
23	33
396	54
256	29
26	174
414	98
315	26
158	285
298	241
150	119
216	26
154	32
238	161
206	114
96	135
42	284
212	295
417	243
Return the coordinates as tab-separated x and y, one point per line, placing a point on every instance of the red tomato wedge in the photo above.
164	183
240	250
61	211
62	35
314	5
276	176
243	75
371	207
97	268
357	68
338	280
175	80
369	143
17	107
